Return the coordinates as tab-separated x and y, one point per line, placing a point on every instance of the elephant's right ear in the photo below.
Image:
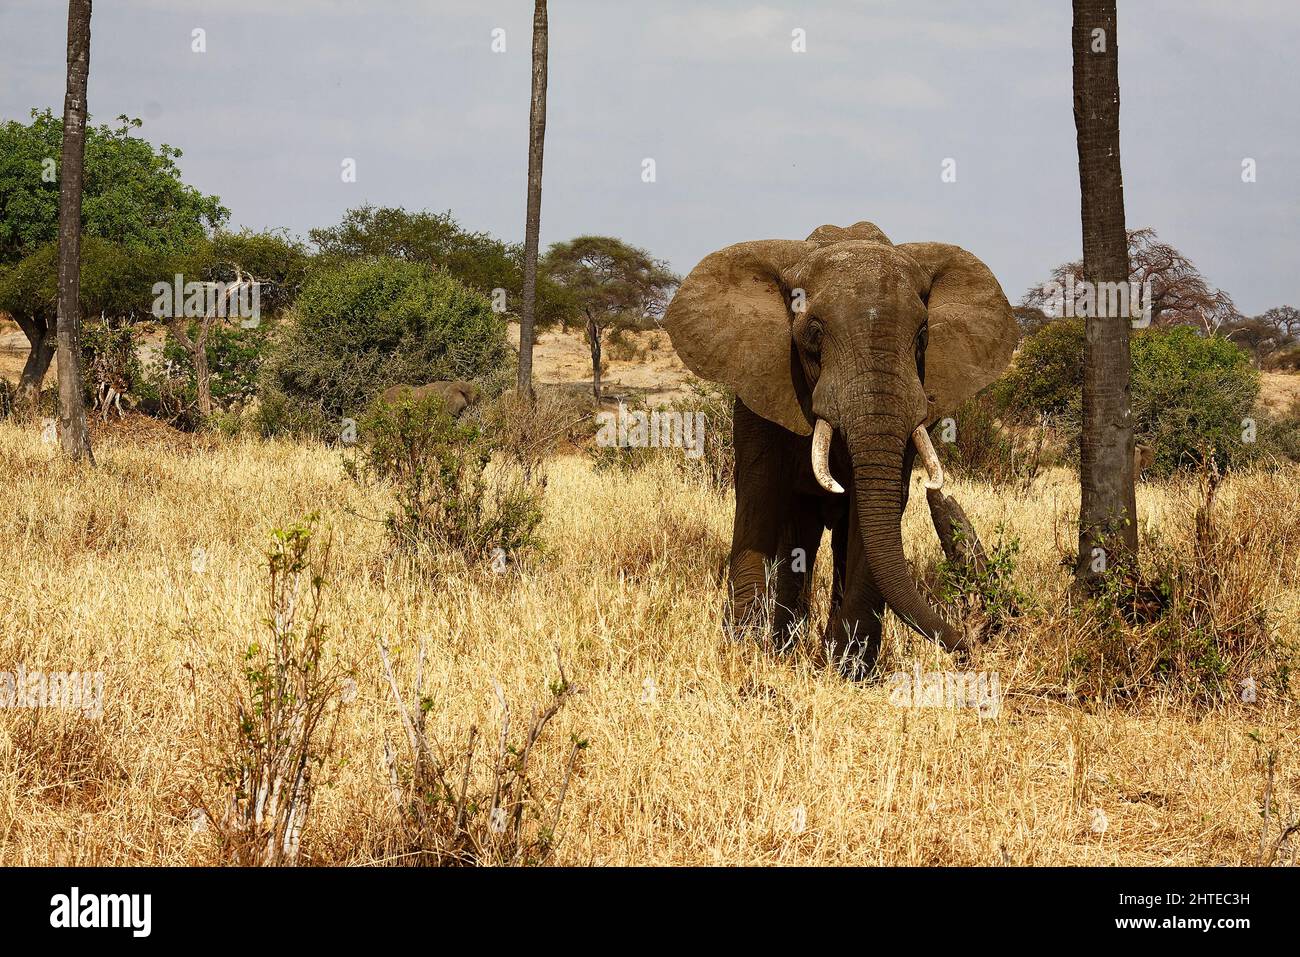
730	323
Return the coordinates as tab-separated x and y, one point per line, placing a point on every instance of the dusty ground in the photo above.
657	376
13	350
1279	391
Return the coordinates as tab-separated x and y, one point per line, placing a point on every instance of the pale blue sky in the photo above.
750	139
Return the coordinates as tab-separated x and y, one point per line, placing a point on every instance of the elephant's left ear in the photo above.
972	329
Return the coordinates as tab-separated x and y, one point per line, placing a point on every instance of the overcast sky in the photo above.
750	139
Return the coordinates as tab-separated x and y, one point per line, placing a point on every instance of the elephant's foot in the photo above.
765	621
853	643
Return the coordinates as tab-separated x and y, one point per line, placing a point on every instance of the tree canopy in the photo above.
134	194
478	259
606	278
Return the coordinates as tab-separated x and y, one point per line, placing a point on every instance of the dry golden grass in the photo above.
702	750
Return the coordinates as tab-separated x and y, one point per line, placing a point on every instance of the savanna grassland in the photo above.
696	748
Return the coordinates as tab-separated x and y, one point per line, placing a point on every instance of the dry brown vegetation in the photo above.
698	749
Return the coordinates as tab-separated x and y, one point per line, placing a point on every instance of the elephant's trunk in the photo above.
877	455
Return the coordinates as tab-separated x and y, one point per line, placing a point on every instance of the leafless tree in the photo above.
1180	295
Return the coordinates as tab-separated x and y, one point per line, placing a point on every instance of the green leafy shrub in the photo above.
235	358
1046	378
987	589
450	497
361	326
1190	393
274	743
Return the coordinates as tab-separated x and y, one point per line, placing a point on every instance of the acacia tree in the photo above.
72	402
1108	507
532	223
606	279
1272	331
1260	335
132	195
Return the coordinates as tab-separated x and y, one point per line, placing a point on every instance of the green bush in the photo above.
1190	393
1046	377
988	588
363	325
449	497
235	357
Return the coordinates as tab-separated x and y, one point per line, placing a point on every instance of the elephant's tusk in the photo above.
821	450
921	439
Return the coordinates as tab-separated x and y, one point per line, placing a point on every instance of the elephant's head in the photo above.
847	333
469	390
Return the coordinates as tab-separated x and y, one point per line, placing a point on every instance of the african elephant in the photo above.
841	349
456	396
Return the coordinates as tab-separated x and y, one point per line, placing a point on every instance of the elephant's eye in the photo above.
813	336
922	340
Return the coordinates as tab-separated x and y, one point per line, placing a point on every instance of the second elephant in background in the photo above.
457	395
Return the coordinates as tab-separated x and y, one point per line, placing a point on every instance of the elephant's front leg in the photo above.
774	551
776	532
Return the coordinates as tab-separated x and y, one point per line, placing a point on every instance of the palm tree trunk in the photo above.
1108	509
72	401
536	140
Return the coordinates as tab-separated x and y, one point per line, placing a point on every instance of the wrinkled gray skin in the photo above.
890	337
457	396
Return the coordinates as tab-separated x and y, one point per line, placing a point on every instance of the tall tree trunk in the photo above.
42	337
536	140
1108	509
593	339
72	399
